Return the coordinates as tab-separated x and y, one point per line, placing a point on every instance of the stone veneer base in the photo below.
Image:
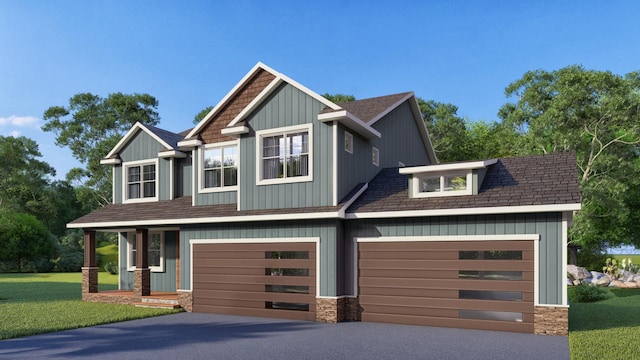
141	282
185	300
89	280
551	320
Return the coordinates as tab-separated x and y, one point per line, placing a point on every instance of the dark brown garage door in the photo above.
465	284
267	279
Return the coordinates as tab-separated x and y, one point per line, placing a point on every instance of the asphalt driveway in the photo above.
205	336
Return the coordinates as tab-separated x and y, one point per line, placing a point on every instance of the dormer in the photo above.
454	179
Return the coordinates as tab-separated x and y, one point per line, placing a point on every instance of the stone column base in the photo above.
89	280
185	300
141	282
551	320
329	309
352	311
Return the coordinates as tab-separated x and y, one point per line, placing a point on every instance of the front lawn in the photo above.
606	329
38	303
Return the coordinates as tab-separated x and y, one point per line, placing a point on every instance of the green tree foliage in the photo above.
91	126
23	238
199	116
338	98
448	131
595	114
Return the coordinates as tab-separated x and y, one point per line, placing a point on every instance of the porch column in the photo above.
90	269
142	273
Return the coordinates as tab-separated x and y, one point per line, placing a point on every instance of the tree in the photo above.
23	238
595	114
199	116
448	131
91	126
338	98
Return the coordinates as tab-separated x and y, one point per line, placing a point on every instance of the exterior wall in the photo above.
287	106
400	140
326	230
214	198
141	147
117	184
184	176
160	281
547	225
353	168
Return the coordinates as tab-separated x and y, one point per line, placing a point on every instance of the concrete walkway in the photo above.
205	336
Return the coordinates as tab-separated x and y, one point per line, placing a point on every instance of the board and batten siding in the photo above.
160	281
287	106
547	225
326	230
400	142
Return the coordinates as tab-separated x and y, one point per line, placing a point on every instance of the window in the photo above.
219	167
348	142
155	251
429	185
140	181
284	155
375	156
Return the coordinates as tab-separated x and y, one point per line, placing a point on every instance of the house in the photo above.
280	203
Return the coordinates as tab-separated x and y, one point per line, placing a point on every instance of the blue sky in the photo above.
189	54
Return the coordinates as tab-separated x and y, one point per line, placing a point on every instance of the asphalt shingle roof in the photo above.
522	181
367	109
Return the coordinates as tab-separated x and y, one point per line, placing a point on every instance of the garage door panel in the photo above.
257	279
479	284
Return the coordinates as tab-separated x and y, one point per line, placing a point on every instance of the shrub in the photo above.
71	261
43	265
587	293
111	268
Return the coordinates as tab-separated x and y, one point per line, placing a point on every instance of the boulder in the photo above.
630	284
617	284
636	278
577	272
600	279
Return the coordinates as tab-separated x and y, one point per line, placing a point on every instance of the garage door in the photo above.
465	284
267	279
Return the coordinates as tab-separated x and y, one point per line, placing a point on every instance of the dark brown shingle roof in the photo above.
523	181
368	109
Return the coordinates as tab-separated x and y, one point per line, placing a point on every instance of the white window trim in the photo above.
201	150
348	146
131	239
375	156
125	188
280	131
416	178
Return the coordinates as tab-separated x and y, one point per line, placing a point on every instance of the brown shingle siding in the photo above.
210	133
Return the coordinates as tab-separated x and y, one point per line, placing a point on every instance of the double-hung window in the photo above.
219	167
155	251
285	154
140	181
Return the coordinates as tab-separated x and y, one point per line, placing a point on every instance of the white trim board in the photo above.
193	242
129	135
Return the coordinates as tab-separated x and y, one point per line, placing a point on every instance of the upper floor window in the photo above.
375	156
348	142
284	155
140	181
219	167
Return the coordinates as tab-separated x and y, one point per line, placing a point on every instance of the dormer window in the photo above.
454	179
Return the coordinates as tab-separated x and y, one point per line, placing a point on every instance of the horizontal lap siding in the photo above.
405	288
230	279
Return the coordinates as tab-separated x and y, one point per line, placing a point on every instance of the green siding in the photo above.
141	147
287	106
160	281
400	142
326	230
117	184
548	226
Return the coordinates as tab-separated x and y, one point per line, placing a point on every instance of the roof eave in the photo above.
350	121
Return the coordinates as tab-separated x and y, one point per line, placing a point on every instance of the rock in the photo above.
618	284
600	279
577	272
636	278
576	282
630	284
569	282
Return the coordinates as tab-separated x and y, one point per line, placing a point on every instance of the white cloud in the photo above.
14	133
21	121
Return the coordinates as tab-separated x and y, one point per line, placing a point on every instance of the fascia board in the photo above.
111	161
172	154
236	130
346	118
471	165
389	109
355	197
129	135
467	211
187	144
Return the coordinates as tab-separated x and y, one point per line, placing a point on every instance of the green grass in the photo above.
39	303
635	259
107	253
606	329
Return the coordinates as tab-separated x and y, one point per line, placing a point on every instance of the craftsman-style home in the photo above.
281	203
